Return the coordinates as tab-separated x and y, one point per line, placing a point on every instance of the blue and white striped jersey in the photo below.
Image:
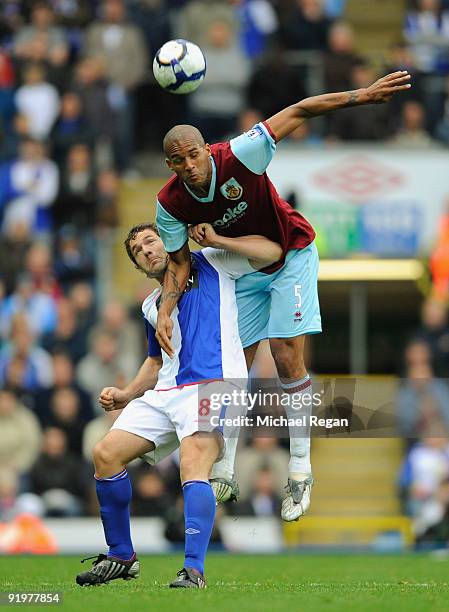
205	336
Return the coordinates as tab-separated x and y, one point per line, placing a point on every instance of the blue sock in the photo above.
114	495
199	515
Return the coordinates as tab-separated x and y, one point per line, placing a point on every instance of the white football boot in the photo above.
297	498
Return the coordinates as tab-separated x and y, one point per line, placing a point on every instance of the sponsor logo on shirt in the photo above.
232	190
231	215
256	132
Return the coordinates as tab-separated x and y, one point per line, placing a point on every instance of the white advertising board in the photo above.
380	200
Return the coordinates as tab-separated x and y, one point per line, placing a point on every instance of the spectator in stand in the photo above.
38	307
195	18
215	106
70	129
20	434
14	244
28	188
306	27
114	319
7	82
426	469
40	266
417	353
68	336
31	364
59	477
259	23
41	40
153	17
74	259
92	86
121	45
427	31
66	414
268	95
422	404
108	185
10	20
9	487
10	147
150	497
264	452
442	113
434	331
400	57
103	366
38	101
73	16
412	134
76	202
439	258
81	296
63	378
264	500
356	125
341	58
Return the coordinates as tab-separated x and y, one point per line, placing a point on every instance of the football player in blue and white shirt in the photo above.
161	405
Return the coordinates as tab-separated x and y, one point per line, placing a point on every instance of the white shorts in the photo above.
166	417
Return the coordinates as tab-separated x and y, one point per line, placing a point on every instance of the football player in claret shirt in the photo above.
226	185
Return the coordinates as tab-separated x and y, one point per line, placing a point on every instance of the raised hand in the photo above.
384	88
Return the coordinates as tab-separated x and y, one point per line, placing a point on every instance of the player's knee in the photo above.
198	453
286	353
104	454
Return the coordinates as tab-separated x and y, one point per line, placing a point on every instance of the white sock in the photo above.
299	465
225	467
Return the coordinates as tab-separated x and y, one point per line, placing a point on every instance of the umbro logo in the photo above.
192	531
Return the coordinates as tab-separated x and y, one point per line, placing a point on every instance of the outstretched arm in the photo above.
175	281
287	120
260	251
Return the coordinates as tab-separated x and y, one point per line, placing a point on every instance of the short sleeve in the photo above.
154	349
173	233
230	264
255	149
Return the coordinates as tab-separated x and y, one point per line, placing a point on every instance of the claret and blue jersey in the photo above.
280	301
205	337
241	199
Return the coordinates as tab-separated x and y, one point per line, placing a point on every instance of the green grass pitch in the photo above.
247	583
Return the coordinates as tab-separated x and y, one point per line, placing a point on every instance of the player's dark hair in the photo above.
132	235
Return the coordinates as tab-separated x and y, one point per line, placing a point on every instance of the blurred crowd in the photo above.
77	103
423	421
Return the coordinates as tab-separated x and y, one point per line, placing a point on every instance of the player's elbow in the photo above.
304	109
275	252
272	254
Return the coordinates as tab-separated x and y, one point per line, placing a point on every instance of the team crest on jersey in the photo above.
232	190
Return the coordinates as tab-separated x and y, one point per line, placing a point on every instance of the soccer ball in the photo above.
179	66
